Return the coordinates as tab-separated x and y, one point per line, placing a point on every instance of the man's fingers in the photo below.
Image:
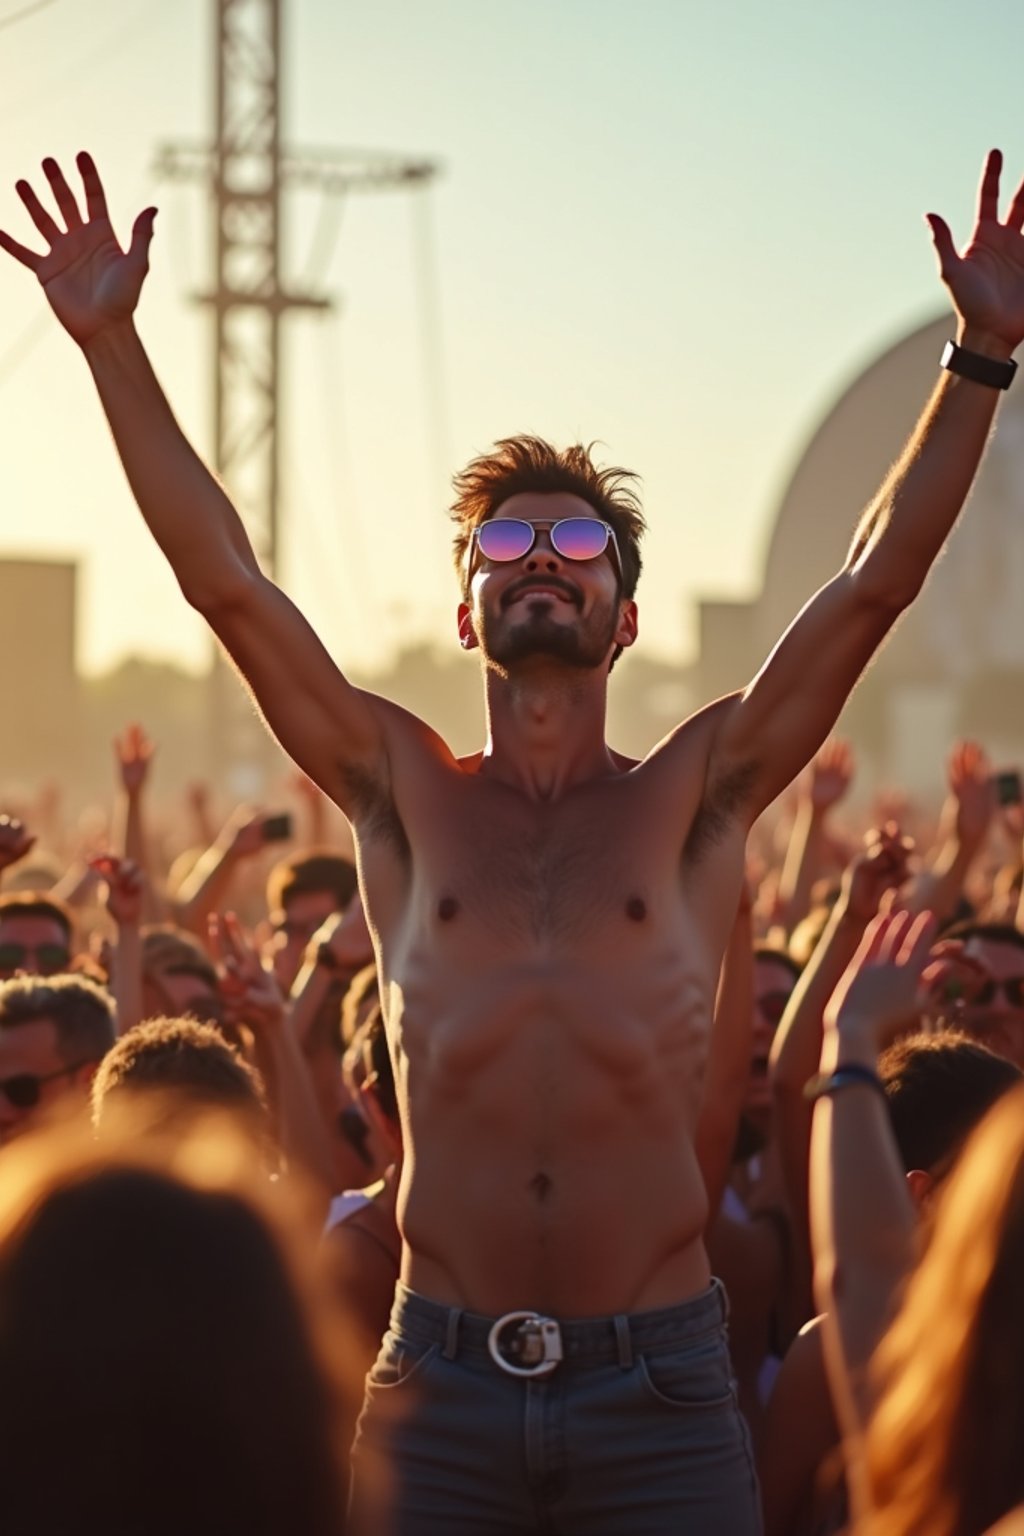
942	239
63	194
918	941
1015	217
47	226
20	252
988	190
142	236
95	201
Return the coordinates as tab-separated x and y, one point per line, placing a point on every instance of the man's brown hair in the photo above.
36	904
82	1013
178	1056
318	870
529	464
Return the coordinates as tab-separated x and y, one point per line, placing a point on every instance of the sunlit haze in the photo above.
675	227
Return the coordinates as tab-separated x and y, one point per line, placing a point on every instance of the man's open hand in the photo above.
133	751
885	987
831	774
986	283
87	278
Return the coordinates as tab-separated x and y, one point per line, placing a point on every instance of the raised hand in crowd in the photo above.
15	841
876	874
122	892
862	1216
205	888
821	788
198	801
133	758
254	1003
966	817
133	752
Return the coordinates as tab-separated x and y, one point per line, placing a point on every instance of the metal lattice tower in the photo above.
248	172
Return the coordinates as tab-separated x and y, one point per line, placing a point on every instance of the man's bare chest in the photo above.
600	861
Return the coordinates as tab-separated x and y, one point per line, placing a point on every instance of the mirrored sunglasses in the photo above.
49	957
502	539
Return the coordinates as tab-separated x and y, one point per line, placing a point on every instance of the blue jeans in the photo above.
635	1432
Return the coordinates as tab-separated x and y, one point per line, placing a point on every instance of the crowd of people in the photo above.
199	1246
608	1148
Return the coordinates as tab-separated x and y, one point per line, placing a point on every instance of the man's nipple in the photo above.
447	908
636	909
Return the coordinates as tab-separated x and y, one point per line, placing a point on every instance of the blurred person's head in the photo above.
302	893
165	1362
53	1033
938	1087
993	1010
942	1451
178	976
35	935
775	975
164	1060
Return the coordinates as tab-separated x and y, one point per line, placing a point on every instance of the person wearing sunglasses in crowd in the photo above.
35	936
982	991
549	917
54	1032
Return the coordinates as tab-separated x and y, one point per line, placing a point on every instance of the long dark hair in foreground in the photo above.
161	1368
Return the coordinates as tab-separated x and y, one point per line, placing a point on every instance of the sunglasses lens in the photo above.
504	538
52	957
21	1091
11	956
1014	990
580	538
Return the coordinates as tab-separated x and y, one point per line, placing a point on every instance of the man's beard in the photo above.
583	646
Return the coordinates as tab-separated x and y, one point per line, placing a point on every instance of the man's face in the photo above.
34	1075
295	926
179	992
996	1017
544	606
773	983
33	946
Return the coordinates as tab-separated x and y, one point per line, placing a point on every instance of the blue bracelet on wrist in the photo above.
850	1075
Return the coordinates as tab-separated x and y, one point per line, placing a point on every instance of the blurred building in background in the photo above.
956	663
41	691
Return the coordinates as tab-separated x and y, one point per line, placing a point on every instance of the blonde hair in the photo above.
943	1448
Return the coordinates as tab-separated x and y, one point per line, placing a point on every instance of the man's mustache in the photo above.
551	583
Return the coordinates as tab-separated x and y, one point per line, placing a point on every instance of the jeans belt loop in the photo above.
623	1341
451	1334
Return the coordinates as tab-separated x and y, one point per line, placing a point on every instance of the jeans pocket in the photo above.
697	1376
400	1359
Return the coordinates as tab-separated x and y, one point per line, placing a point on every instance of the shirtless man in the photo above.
549	918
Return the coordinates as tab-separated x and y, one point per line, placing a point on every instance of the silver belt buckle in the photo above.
537	1342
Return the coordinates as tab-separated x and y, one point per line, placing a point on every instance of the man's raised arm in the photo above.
776	725
93	287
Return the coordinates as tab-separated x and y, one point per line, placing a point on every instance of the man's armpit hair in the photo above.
723	800
373	808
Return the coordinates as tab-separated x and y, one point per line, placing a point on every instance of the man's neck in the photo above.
546	731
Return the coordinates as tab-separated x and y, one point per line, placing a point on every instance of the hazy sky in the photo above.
676	226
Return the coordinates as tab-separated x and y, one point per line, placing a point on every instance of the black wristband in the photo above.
993	371
850	1075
